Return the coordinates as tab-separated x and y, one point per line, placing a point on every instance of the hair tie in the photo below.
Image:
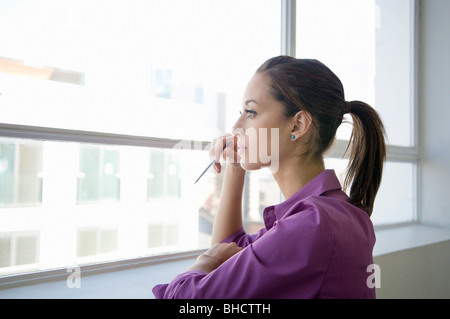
347	107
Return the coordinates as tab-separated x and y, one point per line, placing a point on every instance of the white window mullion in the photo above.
393	153
414	67
288	27
56	134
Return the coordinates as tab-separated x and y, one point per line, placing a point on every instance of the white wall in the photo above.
420	272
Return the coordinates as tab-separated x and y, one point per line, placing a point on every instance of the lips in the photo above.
241	150
241	146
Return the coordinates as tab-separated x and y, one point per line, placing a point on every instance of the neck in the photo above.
294	175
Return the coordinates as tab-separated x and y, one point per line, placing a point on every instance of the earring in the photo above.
293	137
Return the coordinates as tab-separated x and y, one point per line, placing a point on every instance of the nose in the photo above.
238	128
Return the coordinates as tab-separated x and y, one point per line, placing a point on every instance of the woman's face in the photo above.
262	130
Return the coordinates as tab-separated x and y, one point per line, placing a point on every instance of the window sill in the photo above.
127	279
137	280
394	239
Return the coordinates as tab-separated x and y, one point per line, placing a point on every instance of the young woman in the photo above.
318	242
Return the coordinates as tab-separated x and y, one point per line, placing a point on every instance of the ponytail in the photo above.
367	155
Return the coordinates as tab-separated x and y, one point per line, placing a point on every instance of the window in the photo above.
160	235
141	74
370	44
163	178
146	68
18	249
20	173
94	241
98	178
108	108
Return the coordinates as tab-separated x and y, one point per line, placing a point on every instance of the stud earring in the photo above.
293	137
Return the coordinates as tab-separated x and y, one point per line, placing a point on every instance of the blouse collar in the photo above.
319	185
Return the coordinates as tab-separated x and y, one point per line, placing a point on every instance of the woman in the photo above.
318	242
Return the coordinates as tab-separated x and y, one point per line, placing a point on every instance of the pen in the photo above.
210	164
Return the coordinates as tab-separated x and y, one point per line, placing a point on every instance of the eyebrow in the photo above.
250	101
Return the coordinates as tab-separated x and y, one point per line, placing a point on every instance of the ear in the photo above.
302	121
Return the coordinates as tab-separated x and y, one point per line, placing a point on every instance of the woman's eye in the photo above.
250	113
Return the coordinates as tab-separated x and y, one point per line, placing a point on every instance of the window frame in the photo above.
287	47
394	153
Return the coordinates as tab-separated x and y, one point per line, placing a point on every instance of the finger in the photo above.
229	155
215	145
212	148
231	250
235	246
213	153
218	148
217	167
230	151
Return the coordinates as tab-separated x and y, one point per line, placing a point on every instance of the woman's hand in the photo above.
228	217
228	154
215	256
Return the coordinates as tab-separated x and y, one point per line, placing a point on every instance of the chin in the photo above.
250	167
253	166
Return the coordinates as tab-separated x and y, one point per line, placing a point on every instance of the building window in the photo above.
20	173
98	178
95	241
164	175
108	107
18	249
160	235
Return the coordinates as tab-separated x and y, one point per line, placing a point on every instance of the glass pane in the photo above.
261	190
103	203
395	201
172	68
339	165
367	44
68	231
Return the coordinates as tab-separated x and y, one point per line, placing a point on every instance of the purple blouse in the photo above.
315	244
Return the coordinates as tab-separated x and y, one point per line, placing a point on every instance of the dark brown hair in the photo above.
306	84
